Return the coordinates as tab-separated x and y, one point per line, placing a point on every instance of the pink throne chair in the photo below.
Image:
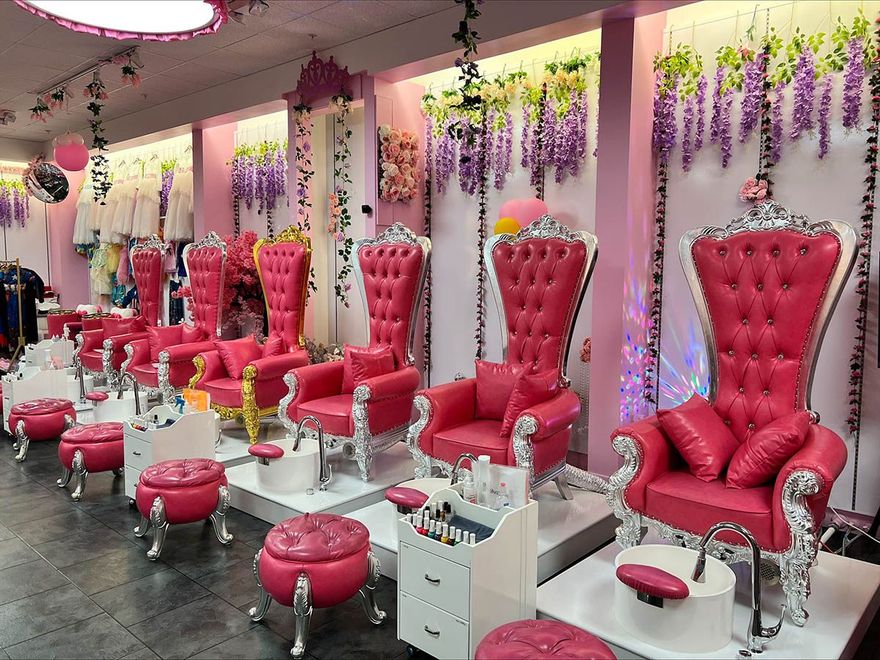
373	414
103	351
765	287
539	277
163	363
246	379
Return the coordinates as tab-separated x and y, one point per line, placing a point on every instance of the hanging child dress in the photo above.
146	212
179	217
123	215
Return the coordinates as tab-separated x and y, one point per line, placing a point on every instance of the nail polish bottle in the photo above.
473	539
452	531
432	534
457	536
444	534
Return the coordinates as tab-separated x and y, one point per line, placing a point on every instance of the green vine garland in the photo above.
304	174
340	216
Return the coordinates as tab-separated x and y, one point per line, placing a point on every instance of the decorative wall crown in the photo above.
321	79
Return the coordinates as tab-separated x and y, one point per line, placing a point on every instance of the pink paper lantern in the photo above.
72	157
524	210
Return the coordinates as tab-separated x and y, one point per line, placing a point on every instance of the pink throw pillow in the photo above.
274	346
760	458
700	436
237	354
495	383
370	365
382	353
191	334
530	390
162	337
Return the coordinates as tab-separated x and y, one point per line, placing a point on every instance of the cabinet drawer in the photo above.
435	580
432	630
138	454
132	476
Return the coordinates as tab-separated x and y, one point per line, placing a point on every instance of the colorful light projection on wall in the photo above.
684	368
635	326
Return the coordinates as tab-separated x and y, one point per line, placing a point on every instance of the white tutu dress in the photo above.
82	230
123	215
146	211
179	216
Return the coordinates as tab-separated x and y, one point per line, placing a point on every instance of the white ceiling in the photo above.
35	53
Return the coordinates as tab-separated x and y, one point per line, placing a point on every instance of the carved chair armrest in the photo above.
315	381
554	415
275	366
139	352
450	404
118	342
186	352
391	385
652	454
93	340
209	366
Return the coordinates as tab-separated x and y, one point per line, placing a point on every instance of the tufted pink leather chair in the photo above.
765	287
103	351
539	278
205	265
391	272
283	265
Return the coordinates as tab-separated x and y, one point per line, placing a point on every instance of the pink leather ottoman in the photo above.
541	638
316	560
39	419
182	491
90	448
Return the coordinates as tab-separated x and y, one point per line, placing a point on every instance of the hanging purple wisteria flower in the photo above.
165	191
701	112
687	155
853	83
249	170
20	205
715	121
776	119
804	94
525	137
753	88
665	127
583	126
725	135
5	208
503	152
548	134
825	116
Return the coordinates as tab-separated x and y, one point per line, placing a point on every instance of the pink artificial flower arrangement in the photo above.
242	294
754	190
335	214
184	292
587	350
398	154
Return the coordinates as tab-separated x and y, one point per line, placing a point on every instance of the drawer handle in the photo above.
434	581
136	453
432	633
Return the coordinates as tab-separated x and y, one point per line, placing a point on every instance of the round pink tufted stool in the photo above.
90	448
541	638
39	419
182	491
405	499
316	560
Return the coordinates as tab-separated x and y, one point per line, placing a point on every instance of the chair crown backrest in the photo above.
205	263
283	265
147	264
765	287
391	271
539	277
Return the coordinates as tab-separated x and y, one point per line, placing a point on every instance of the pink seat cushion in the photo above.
182	473
653	581
93	433
680	499
333	411
316	537
224	391
97	396
702	438
481	436
146	374
760	458
539	639
265	450
408	497
43	406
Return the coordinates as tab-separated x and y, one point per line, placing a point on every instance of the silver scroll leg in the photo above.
81	473
64	479
143	527
302	610
562	485
23	442
257	613
218	517
368	592
159	523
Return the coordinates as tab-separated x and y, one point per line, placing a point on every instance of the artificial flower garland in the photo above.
14	204
398	157
482	204
304	173
429	171
96	91
340	216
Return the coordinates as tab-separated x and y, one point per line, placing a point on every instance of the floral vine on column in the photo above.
303	152
96	92
429	170
340	216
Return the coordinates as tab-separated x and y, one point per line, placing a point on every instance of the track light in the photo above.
258	7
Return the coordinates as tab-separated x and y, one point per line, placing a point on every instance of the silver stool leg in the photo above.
218	517
22	442
368	592
143	527
257	613
302	610
64	479
159	523
79	469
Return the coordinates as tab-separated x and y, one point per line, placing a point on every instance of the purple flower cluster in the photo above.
725	136
446	158
853	82
20	205
548	134
525	137
687	156
470	156
165	191
715	121
701	112
503	152
583	125
825	116
570	138
753	92
429	151
776	119
804	94
5	207
259	174
665	127
250	166
271	175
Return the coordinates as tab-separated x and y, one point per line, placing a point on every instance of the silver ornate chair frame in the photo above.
794	564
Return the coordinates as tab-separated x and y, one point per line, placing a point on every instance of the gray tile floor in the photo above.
75	582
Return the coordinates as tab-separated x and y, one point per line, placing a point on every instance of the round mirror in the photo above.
47	183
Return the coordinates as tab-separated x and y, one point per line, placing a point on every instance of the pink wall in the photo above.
70	271
212	191
624	222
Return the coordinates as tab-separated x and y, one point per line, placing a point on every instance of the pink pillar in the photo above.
624	225
70	271
212	189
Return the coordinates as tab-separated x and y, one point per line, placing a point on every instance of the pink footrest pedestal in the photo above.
316	560
542	638
182	491
39	419
90	448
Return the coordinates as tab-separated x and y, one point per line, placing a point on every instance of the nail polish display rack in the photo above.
451	596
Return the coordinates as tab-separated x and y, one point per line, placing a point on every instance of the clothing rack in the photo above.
6	266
